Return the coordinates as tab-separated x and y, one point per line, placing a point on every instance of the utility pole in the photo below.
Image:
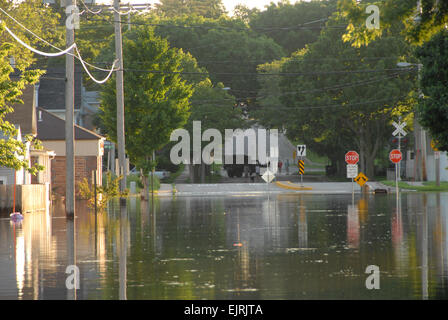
69	115
120	96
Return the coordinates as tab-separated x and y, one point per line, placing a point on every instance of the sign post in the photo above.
301	152
395	156
437	160
399	130
352	158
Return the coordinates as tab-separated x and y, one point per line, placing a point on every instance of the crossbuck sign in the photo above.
399	129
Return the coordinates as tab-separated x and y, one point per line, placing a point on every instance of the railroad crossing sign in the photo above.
395	156
301	165
352	157
268	176
301	150
399	128
352	171
361	179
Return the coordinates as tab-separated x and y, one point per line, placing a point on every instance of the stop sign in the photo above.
352	157
395	156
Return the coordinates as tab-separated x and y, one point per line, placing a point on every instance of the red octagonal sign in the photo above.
395	156
352	157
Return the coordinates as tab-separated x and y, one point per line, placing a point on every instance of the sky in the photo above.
229	4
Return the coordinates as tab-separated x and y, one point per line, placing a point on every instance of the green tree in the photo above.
36	16
155	103
293	25
244	13
345	97
432	109
418	28
226	47
215	108
204	8
12	151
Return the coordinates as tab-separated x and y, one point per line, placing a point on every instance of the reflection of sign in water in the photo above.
303	227
397	227
352	226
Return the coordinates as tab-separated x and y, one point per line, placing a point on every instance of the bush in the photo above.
136	178
109	190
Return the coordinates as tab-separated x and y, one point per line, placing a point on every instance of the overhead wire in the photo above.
62	52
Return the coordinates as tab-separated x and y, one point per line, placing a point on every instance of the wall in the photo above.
82	147
84	166
29	197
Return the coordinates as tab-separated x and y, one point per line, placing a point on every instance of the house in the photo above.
30	192
24	118
51	96
89	150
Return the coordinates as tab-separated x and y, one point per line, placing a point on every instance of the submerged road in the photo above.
260	188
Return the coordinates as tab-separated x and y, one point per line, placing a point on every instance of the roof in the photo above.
52	88
52	127
24	115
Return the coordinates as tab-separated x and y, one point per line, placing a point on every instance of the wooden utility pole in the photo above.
120	96
69	116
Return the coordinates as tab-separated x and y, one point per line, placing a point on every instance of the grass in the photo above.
315	158
173	176
139	185
214	178
427	186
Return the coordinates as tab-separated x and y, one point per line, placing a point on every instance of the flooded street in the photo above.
285	246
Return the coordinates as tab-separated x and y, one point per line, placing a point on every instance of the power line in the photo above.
291	74
62	52
284	108
46	42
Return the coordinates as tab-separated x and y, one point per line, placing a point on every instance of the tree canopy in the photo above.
205	8
342	97
433	106
13	79
155	103
293	25
420	24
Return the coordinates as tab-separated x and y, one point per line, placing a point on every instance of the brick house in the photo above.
89	150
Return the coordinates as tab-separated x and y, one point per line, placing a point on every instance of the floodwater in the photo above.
286	246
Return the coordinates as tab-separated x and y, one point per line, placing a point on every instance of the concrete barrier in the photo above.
29	197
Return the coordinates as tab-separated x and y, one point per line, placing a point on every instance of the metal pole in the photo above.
152	175
120	97
396	177
421	130
301	176
399	148
94	188
353	191
437	159
69	123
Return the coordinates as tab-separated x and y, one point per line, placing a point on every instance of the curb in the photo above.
291	186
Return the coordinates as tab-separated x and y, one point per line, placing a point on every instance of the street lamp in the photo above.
420	144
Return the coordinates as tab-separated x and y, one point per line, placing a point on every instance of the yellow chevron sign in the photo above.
361	179
301	165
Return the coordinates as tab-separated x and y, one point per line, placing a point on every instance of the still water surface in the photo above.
287	246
